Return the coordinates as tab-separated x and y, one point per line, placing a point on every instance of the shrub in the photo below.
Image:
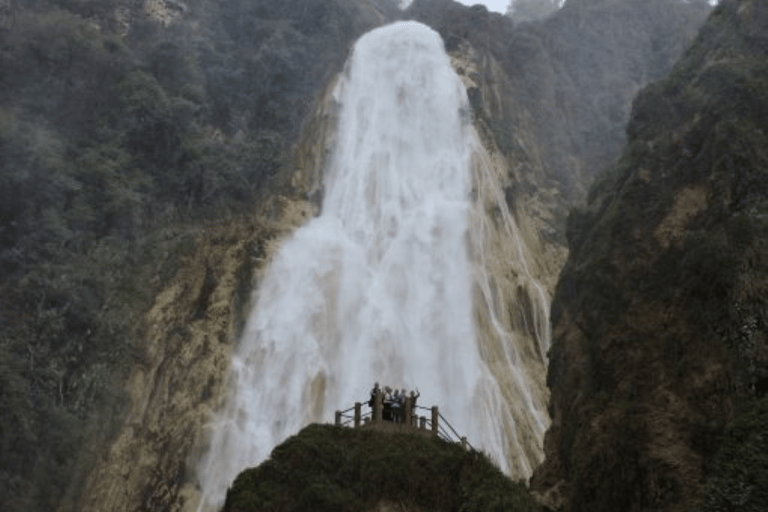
738	479
335	469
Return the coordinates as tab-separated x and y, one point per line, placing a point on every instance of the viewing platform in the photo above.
381	417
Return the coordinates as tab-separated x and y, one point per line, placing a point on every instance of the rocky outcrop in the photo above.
659	316
338	469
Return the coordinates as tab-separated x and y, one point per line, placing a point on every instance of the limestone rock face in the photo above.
659	315
190	331
190	334
533	199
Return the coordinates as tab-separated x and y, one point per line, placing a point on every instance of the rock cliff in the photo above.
660	355
137	138
570	79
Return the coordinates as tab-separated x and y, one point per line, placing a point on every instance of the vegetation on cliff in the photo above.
121	138
740	470
335	469
123	143
522	11
573	75
659	317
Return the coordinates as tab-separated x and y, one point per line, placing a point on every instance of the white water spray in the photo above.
380	285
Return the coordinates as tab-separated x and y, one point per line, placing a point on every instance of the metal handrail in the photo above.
461	439
449	425
445	434
442	433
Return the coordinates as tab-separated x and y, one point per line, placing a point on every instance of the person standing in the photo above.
387	407
397	407
414	397
375	391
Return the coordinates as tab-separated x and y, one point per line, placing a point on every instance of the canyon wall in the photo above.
659	358
171	153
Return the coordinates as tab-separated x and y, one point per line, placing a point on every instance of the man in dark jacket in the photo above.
375	391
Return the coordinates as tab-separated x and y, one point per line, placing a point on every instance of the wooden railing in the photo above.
435	423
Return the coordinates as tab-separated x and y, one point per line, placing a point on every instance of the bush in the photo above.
335	469
738	479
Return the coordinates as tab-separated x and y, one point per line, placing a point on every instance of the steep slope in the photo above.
133	152
659	316
124	142
338	469
195	321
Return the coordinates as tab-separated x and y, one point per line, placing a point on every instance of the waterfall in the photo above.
384	284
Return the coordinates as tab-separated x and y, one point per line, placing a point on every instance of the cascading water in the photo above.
383	285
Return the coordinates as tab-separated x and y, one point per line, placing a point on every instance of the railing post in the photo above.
423	423
378	406
338	418
408	411
435	415
464	442
358	414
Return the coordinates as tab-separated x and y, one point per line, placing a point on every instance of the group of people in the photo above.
393	402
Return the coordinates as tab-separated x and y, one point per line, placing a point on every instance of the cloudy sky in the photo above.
501	5
493	5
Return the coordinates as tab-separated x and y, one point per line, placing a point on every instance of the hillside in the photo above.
150	161
337	469
134	148
660	357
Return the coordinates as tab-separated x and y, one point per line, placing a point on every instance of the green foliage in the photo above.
703	122
335	469
738	479
115	149
67	342
147	112
599	53
699	131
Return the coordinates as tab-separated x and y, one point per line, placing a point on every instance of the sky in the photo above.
501	5
493	5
